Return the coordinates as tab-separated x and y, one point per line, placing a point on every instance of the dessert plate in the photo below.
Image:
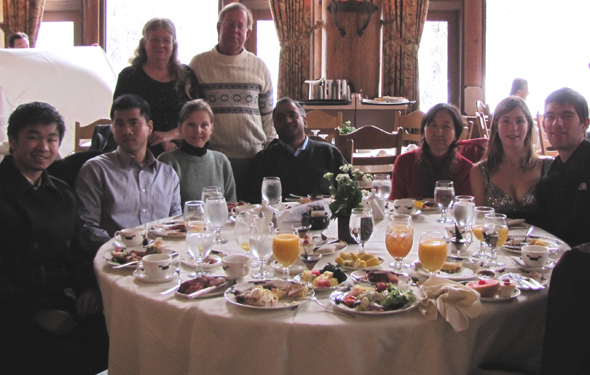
211	261
501	299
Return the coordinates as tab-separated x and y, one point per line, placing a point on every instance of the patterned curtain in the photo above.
292	20
24	16
403	22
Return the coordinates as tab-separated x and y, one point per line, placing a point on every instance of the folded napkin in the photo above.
457	303
377	205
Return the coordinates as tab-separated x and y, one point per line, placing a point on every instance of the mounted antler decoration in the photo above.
352	6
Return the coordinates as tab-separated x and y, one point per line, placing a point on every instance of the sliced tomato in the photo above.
381	286
349	301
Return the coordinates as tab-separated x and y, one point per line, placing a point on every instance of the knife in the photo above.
212	288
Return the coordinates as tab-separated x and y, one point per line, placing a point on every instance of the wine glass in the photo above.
399	239
242	233
480	213
210	191
444	192
463	206
361	226
261	240
432	251
495	233
271	190
199	240
315	132
194	211
285	248
382	185
217	216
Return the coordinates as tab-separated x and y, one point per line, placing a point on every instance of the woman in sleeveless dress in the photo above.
507	176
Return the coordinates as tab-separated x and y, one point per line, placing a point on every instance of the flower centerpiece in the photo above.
346	195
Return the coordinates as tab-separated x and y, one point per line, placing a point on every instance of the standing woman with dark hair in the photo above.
415	173
157	76
507	177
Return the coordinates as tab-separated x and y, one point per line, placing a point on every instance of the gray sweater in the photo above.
196	172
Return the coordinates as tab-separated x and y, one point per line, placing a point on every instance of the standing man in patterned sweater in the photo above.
237	86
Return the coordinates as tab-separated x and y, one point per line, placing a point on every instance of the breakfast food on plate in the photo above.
201	282
375	276
385	297
268	295
124	255
362	260
327	277
429	205
538	242
304	200
486	288
506	288
452	267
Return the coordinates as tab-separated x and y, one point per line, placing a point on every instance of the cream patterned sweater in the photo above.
239	90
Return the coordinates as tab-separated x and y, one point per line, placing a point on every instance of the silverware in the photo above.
212	288
326	243
170	290
313	298
528	233
127	264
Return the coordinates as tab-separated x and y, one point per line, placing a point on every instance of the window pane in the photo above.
55	35
539	40
268	49
195	21
433	64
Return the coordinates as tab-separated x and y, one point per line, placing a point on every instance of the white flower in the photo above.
346	168
342	178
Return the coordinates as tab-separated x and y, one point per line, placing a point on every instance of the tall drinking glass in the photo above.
432	251
285	248
261	239
463	207
479	214
242	229
361	226
444	192
495	233
271	190
217	216
382	185
199	240
399	239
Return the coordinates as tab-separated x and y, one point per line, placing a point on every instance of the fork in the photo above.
525	283
314	298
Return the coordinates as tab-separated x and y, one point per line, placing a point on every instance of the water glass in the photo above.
242	229
361	226
199	240
261	239
271	190
479	214
210	191
194	211
382	185
495	234
217	216
463	207
444	192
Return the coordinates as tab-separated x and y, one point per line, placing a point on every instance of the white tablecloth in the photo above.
154	334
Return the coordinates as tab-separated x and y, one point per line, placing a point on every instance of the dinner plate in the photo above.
349	268
509	273
360	276
339	295
213	293
170	229
107	257
434	208
465	273
321	289
285	303
553	244
141	275
386	101
192	262
331	248
501	299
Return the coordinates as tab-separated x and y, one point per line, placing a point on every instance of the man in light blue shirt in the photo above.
127	187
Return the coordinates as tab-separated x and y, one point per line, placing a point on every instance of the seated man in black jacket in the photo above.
298	161
50	319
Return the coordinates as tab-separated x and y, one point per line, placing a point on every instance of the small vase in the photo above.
344	230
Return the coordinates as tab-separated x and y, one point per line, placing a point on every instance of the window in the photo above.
268	49
55	35
195	21
539	40
433	64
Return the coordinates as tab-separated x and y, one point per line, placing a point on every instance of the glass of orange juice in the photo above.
480	213
495	234
285	248
399	239
432	251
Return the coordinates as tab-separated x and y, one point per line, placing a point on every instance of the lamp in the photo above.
352	6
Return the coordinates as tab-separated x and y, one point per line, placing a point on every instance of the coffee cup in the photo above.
157	266
236	266
535	255
131	237
404	206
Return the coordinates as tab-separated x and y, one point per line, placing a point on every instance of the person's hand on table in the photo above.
89	303
56	321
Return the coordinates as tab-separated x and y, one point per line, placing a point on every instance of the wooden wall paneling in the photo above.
474	53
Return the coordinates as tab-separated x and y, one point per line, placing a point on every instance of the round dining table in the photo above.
159	334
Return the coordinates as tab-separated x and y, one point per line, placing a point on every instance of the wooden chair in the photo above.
411	126
480	124
546	148
482	107
324	122
373	141
83	134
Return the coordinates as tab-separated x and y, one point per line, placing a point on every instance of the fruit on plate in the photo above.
328	277
452	267
486	288
362	260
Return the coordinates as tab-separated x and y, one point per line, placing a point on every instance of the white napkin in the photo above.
457	303
377	205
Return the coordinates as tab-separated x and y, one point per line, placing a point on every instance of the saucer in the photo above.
141	275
